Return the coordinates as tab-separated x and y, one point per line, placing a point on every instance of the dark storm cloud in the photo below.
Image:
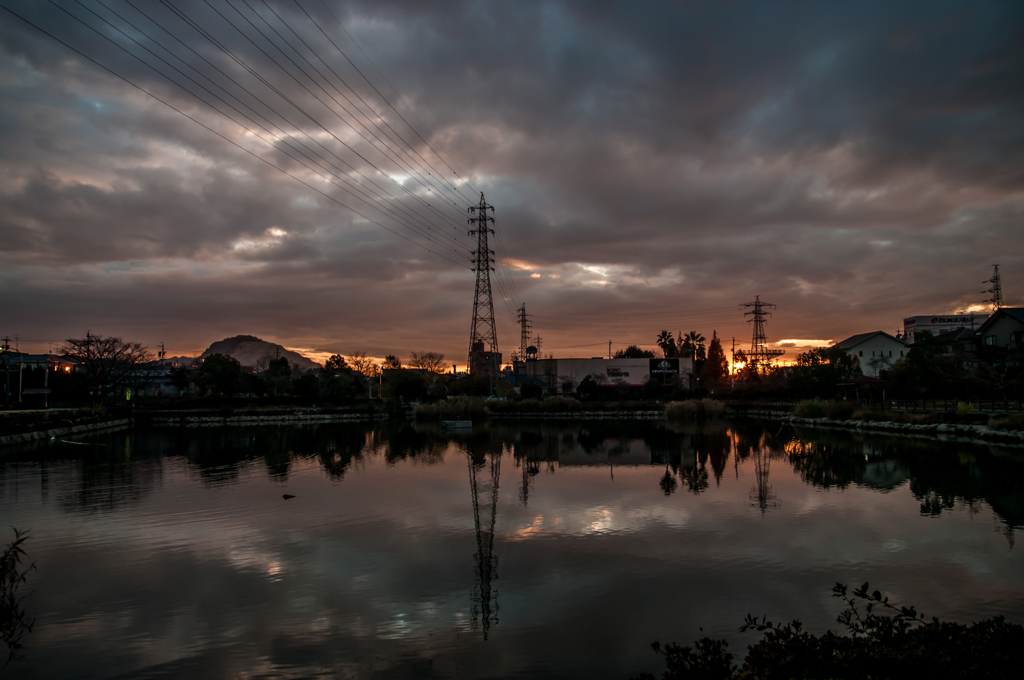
852	163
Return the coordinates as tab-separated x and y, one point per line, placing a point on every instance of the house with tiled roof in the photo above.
1005	328
876	351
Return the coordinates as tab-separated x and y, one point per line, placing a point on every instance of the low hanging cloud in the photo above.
654	165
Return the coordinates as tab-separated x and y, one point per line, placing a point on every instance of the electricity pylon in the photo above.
483	328
996	290
524	331
760	356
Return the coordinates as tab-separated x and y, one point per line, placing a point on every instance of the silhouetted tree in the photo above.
531	391
219	375
278	377
406	384
391	362
428	361
692	346
715	367
667	344
634	352
818	371
107	365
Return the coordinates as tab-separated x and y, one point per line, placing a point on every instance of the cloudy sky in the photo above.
184	171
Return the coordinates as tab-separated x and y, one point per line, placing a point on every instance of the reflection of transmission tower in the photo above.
760	356
483	335
761	494
530	468
996	290
486	561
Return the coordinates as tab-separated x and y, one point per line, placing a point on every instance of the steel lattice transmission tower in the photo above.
996	290
483	332
524	331
484	595
760	356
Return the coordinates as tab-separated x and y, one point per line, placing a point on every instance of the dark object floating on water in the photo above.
287	496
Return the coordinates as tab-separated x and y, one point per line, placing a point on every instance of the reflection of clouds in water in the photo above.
893	545
602	522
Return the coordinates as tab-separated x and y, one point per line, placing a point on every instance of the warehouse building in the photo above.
561	375
940	324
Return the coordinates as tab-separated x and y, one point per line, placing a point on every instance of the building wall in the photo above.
1003	332
940	323
879	346
630	372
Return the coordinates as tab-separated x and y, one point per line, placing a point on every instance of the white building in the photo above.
940	324
876	351
607	372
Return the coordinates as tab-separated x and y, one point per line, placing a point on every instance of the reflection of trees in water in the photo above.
825	465
668	482
483	485
944	475
103	477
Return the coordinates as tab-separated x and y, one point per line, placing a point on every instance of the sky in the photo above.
301	170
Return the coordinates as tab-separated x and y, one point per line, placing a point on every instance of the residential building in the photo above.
1004	329
876	351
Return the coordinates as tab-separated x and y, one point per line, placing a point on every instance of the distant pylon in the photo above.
760	356
996	290
483	328
524	331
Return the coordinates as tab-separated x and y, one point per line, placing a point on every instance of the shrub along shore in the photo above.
814	413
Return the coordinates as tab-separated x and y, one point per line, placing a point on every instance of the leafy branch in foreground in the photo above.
878	646
14	621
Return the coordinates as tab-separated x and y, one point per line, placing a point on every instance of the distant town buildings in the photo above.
939	324
557	374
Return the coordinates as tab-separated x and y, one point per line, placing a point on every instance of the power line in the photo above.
413	111
281	94
372	203
225	138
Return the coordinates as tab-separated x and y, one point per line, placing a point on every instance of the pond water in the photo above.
530	551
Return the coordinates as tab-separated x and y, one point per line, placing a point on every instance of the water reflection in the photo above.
172	549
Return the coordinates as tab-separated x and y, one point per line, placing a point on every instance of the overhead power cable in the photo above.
413	111
375	114
298	82
218	134
366	198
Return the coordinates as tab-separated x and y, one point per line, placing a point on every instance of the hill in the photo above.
254	352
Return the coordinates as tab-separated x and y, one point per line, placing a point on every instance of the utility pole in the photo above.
17	348
732	366
609	349
760	356
996	290
483	329
7	370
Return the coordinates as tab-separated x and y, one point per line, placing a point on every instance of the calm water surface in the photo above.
515	551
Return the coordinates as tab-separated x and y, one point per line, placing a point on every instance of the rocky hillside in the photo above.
251	351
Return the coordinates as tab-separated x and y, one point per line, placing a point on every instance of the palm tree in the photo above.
693	343
667	343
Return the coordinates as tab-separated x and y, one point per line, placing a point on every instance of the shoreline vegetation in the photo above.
26	426
897	643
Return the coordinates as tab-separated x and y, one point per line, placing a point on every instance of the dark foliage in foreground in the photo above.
901	645
14	621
